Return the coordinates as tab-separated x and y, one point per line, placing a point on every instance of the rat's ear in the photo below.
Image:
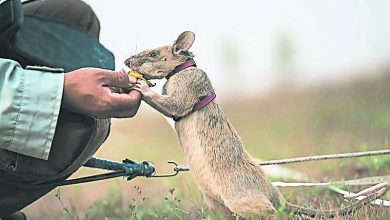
183	42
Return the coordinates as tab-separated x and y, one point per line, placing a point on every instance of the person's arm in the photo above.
30	102
29	106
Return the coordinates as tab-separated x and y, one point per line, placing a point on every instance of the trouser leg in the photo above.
76	139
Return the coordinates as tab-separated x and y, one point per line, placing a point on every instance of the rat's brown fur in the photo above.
231	182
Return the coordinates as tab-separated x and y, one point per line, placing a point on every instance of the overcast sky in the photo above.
329	39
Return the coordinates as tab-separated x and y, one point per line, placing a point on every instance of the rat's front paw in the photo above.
143	88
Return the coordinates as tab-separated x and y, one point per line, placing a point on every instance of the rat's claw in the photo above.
142	83
142	87
137	87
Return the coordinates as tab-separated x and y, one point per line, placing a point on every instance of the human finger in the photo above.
132	79
116	79
125	105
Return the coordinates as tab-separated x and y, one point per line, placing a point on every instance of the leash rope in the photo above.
327	157
130	169
180	168
354	182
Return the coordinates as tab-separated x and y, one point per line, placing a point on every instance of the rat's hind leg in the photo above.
217	207
251	206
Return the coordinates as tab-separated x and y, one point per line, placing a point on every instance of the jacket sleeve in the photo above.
30	101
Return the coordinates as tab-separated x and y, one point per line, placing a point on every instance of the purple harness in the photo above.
204	101
183	66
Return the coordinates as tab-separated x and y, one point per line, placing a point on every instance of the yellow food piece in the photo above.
136	75
139	76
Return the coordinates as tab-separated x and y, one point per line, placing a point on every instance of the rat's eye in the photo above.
153	54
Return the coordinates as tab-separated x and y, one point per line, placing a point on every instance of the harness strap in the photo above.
202	103
183	66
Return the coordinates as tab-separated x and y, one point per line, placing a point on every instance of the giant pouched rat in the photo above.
230	180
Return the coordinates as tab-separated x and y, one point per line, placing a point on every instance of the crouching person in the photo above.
53	120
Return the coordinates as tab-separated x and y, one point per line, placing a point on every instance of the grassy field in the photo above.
347	117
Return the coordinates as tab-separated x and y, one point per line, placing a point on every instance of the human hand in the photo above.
87	91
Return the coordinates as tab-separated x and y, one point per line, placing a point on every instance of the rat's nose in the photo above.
130	62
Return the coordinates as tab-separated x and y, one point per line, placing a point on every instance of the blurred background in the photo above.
261	44
296	78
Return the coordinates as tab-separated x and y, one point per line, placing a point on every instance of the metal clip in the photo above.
168	175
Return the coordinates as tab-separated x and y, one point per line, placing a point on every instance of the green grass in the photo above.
347	117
